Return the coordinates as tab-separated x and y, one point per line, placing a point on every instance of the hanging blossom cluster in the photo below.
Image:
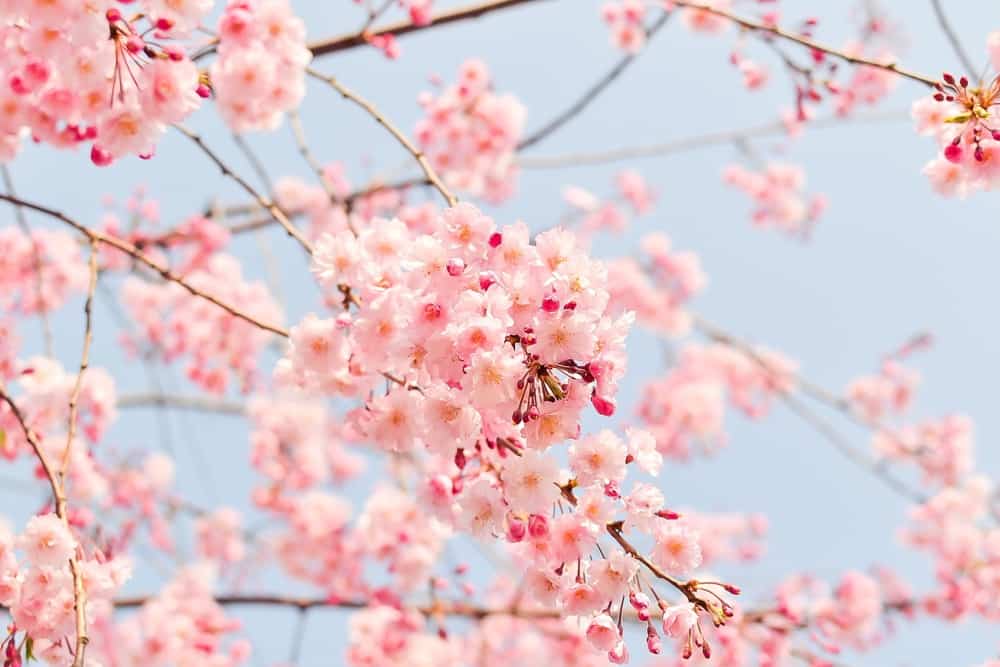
181	625
175	324
591	214
44	403
961	116
685	409
470	133
777	192
489	347
259	74
74	74
40	271
657	290
37	587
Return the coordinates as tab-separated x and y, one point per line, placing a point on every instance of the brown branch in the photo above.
776	31
352	40
273	209
88	334
380	118
949	32
133	252
59	499
593	92
36	257
195	403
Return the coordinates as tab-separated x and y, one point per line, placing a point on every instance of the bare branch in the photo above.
130	250
380	118
768	29
273	209
956	44
592	92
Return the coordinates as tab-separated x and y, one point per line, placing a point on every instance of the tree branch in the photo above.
592	92
133	252
776	31
380	118
956	44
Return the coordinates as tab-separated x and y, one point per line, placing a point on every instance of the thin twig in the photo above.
593	92
88	335
822	426
36	256
693	143
273	209
59	499
352	40
133	252
380	118
767	28
195	403
956	44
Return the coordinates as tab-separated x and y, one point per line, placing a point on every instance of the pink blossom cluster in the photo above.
176	324
686	408
658	288
388	636
625	19
260	70
961	118
38	588
942	449
66	82
777	192
594	214
296	446
63	270
957	528
470	133
181	625
44	403
889	392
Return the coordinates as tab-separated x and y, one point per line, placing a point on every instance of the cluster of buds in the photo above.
134	48
975	103
547	383
11	651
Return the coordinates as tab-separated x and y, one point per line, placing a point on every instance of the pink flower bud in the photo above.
603	406
515	529
455	266
496	238
100	157
550	304
538	526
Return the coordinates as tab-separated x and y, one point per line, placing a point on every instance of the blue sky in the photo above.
889	259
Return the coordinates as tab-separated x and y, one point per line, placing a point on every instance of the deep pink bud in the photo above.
134	44
203	91
516	529
496	238
953	153
538	526
732	590
100	157
164	24
550	304
486	278
603	406
570	305
432	311
669	515
455	266
460	458
113	15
